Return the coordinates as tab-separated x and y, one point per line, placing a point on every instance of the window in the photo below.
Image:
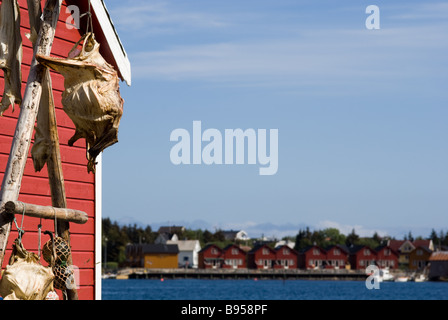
285	251
337	252
265	251
234	251
214	251
366	252
316	252
419	252
310	262
387	252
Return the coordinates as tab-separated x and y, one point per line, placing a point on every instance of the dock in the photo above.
275	274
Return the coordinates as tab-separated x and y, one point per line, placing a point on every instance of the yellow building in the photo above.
153	256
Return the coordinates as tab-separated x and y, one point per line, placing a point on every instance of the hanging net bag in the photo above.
56	252
25	278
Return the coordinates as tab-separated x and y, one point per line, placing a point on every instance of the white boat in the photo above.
420	278
385	275
402	279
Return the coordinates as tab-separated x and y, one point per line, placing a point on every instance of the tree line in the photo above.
116	237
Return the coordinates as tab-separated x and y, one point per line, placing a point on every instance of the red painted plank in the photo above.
74	190
72	172
83	259
8	127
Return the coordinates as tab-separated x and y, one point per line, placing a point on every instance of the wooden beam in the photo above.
15	167
47	122
46	212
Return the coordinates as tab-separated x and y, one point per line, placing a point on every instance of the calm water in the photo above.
195	289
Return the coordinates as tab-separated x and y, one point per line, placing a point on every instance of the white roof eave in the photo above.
107	26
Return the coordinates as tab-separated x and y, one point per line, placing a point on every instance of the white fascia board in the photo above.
98	224
113	40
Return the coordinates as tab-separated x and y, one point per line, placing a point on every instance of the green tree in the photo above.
352	238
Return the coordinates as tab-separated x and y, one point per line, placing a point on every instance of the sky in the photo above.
361	115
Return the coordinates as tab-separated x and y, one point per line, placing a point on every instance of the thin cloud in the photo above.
160	17
322	57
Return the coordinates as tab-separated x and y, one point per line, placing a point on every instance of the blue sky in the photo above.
361	114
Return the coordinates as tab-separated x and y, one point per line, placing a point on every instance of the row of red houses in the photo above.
284	257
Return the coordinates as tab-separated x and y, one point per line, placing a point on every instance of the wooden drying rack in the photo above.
38	78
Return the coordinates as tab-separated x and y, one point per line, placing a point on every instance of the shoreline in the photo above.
275	274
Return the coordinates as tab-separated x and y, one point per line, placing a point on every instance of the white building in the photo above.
188	252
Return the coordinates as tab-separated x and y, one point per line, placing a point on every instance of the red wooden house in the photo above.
210	257
261	257
312	257
234	257
361	257
386	257
285	258
337	257
83	190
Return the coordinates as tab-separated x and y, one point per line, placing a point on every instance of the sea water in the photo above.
201	289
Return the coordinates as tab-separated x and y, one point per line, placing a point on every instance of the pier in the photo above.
284	274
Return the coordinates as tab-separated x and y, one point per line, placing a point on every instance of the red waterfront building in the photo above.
336	257
285	258
386	257
210	257
261	257
83	189
312	257
361	256
234	257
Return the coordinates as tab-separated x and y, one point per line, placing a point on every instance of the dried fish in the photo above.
24	277
42	147
10	53
91	98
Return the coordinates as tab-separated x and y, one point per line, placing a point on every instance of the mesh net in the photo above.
62	251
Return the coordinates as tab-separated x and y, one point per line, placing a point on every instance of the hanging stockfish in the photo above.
91	98
10	53
24	277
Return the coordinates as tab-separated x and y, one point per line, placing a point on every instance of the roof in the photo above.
422	243
286	246
439	256
185	245
160	248
258	247
234	246
106	34
396	244
339	246
356	248
379	248
424	248
307	248
210	245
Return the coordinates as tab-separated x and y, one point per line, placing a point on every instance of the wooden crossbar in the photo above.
46	212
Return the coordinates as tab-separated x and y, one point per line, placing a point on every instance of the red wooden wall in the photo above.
80	186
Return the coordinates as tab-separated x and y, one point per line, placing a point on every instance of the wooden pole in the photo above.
45	212
54	163
25	124
56	179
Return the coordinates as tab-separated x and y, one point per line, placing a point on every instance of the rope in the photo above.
89	27
55	223
39	250
20	230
